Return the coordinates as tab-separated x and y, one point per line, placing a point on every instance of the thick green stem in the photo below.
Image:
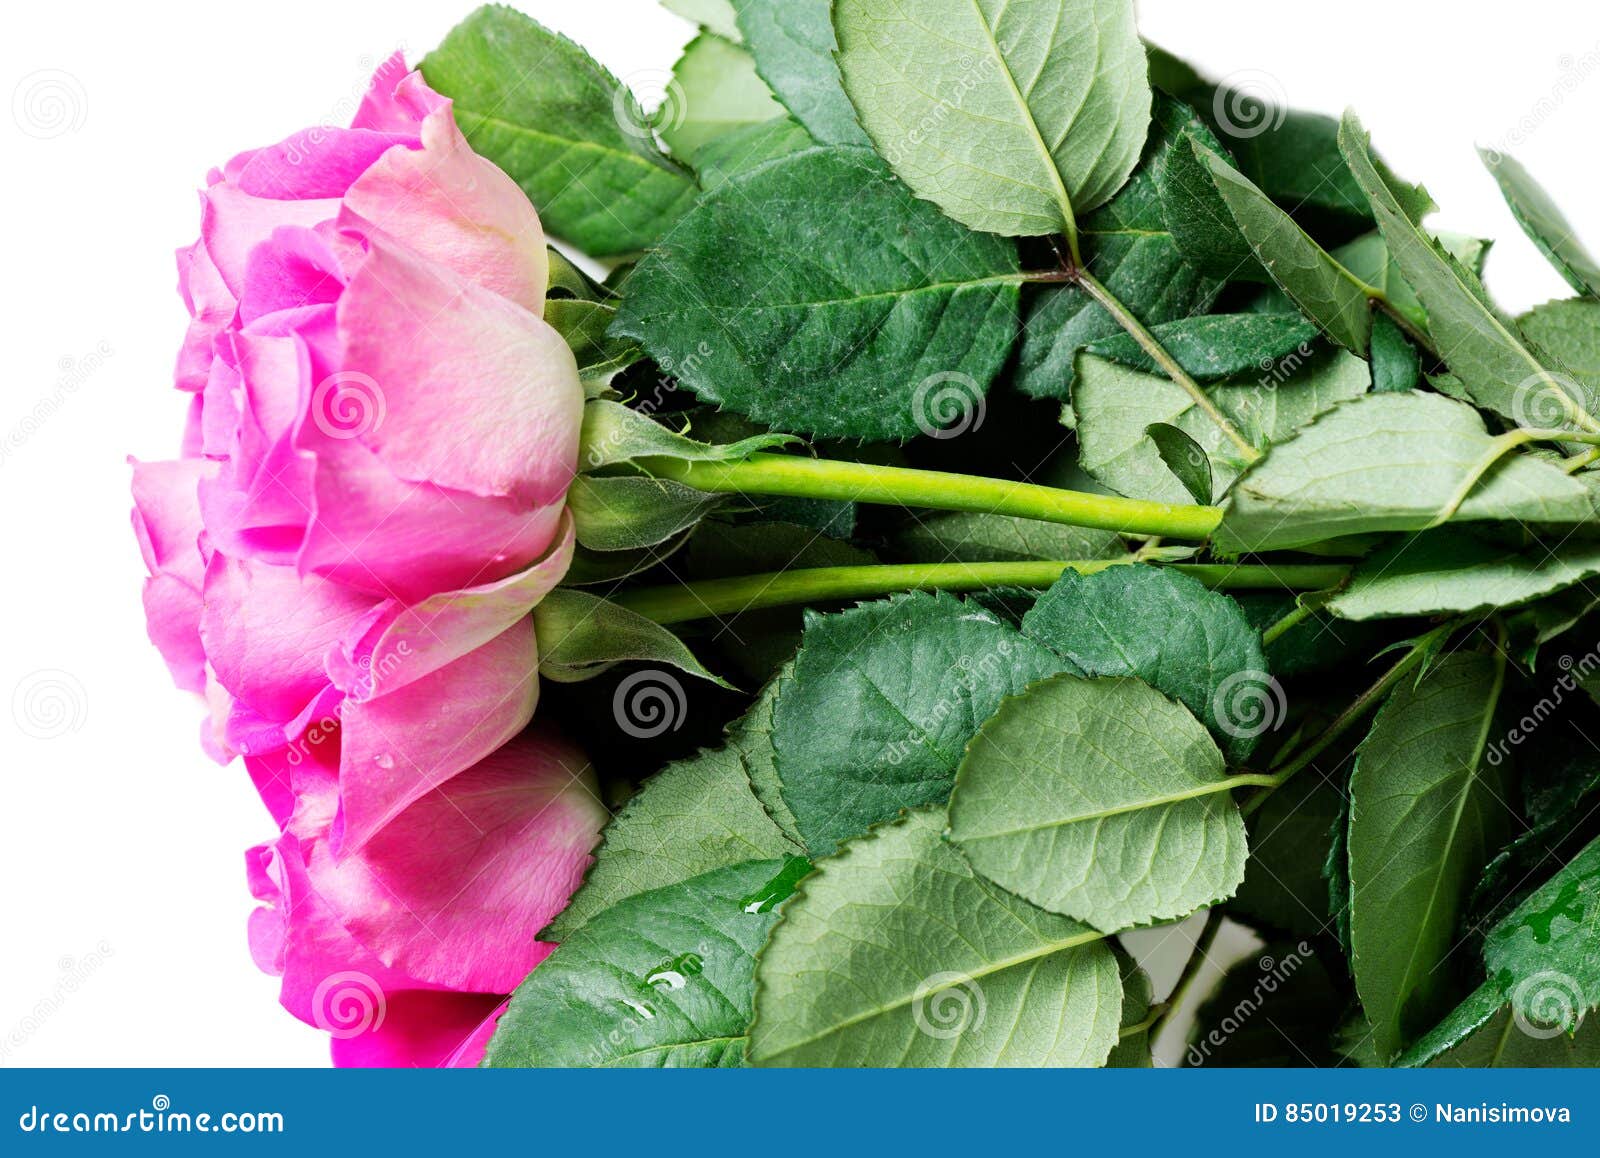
681	602
1158	354
796	476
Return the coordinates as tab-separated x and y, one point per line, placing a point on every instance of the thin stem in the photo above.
1502	445
1303	610
816	478
682	602
1191	968
1350	716
1158	353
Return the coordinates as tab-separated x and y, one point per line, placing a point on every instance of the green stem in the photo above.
1502	445
1191	968
1303	610
1350	716
795	476
681	602
1158	353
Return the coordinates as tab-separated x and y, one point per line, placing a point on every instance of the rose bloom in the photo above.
369	502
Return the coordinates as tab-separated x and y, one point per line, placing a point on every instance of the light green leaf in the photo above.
793	44
1426	813
717	92
1013	119
1567	334
1329	294
816	295
661	979
894	953
1116	407
884	699
614	433
581	636
1101	799
628	512
1481	347
1215	346
564	128
1390	462
1450	570
1166	628
583	325
693	816
1127	245
1367	257
1544	223
713	15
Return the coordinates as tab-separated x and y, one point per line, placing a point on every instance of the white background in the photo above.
121	847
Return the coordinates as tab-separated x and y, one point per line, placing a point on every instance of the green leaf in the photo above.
1198	218
1215	346
1544	223
1427	811
1325	291
613	433
1368	258
894	953
661	979
624	513
1396	363
1480	346
713	15
1101	799
693	816
1547	952
1482	1033
1166	628
564	128
793	44
1185	458
1132	1050
1292	156
975	537
816	295
1012	119
754	734
1451	570
884	699
744	149
717	92
1567	333
1116	407
1127	245
581	636
1390	462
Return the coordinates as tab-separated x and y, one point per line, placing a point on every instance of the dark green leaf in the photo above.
1216	346
1544	223
1184	458
1396	364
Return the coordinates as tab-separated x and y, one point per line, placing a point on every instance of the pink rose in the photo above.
402	951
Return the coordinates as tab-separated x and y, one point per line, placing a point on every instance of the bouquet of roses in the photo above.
966	488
